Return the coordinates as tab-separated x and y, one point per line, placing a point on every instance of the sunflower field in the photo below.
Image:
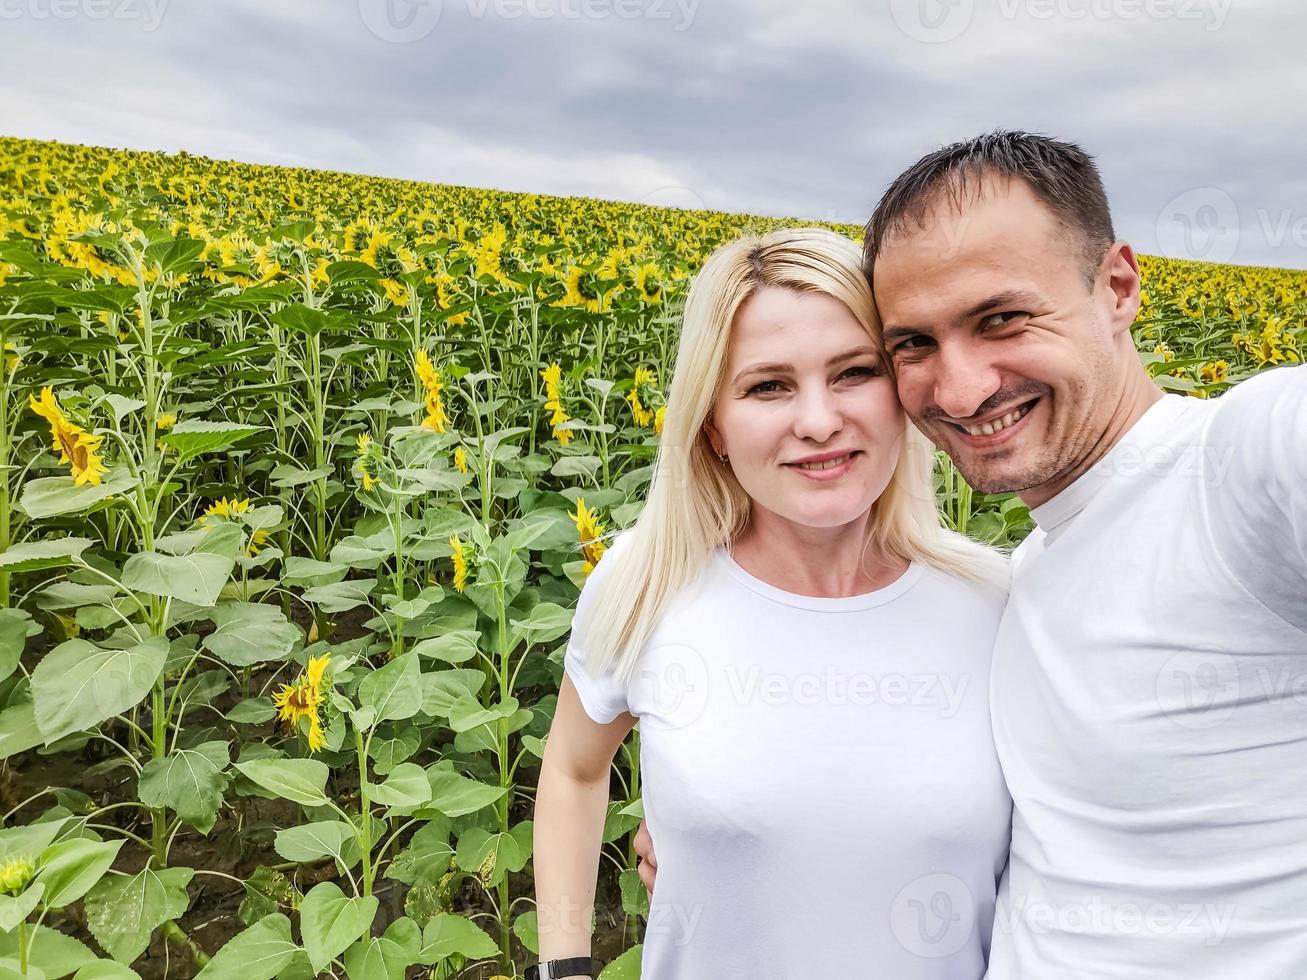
300	476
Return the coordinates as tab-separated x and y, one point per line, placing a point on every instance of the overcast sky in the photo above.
806	108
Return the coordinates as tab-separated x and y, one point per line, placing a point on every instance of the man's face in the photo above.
1005	357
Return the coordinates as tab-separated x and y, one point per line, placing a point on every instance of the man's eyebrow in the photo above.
779	367
1009	297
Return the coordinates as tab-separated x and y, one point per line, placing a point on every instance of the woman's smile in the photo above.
825	467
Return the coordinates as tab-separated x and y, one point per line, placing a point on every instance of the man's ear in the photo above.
1119	273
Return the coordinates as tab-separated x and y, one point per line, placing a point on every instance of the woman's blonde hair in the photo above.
695	504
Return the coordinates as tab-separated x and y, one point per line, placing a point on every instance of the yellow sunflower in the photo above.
302	700
75	445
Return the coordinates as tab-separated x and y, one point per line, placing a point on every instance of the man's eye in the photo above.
915	342
995	320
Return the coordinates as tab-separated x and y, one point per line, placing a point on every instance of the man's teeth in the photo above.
998	425
826	464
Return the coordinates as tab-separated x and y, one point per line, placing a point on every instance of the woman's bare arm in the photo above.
571	803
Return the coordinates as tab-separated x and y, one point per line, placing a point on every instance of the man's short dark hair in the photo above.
1062	175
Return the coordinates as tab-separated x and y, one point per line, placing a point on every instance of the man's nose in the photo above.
964	382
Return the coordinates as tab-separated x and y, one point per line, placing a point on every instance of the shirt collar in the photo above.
1145	432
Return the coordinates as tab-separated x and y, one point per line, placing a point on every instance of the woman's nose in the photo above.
817	415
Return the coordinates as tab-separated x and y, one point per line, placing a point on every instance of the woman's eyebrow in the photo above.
778	367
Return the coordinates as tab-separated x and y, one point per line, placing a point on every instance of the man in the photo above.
1149	683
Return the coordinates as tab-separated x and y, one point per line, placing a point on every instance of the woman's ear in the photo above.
714	437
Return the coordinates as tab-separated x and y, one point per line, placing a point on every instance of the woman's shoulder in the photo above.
965	594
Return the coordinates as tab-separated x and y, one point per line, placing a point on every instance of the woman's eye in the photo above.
764	388
862	370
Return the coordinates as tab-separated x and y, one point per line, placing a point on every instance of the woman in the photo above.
807	651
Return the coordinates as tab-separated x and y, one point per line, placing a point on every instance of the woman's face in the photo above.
805	412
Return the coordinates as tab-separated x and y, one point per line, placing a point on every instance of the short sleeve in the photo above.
1256	470
603	696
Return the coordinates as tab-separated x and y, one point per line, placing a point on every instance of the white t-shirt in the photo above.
819	778
1149	694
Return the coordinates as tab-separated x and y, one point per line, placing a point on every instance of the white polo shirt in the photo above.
1149	696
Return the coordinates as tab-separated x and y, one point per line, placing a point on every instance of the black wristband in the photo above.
582	966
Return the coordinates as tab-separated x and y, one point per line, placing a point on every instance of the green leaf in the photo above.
42	554
455	647
583	466
546	621
122	407
15	908
467	713
526	928
258	953
26	840
310	571
106	970
175	255
625	967
52	952
267	890
449	935
361	552
123	910
77	685
340	596
223	538
195	437
249	633
14	624
330	922
319	839
288	475
406	786
302	781
70	867
426	856
635	897
73	595
190	781
442	688
51	496
455	795
253	711
197	578
395	690
302	319
494	854
387	957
